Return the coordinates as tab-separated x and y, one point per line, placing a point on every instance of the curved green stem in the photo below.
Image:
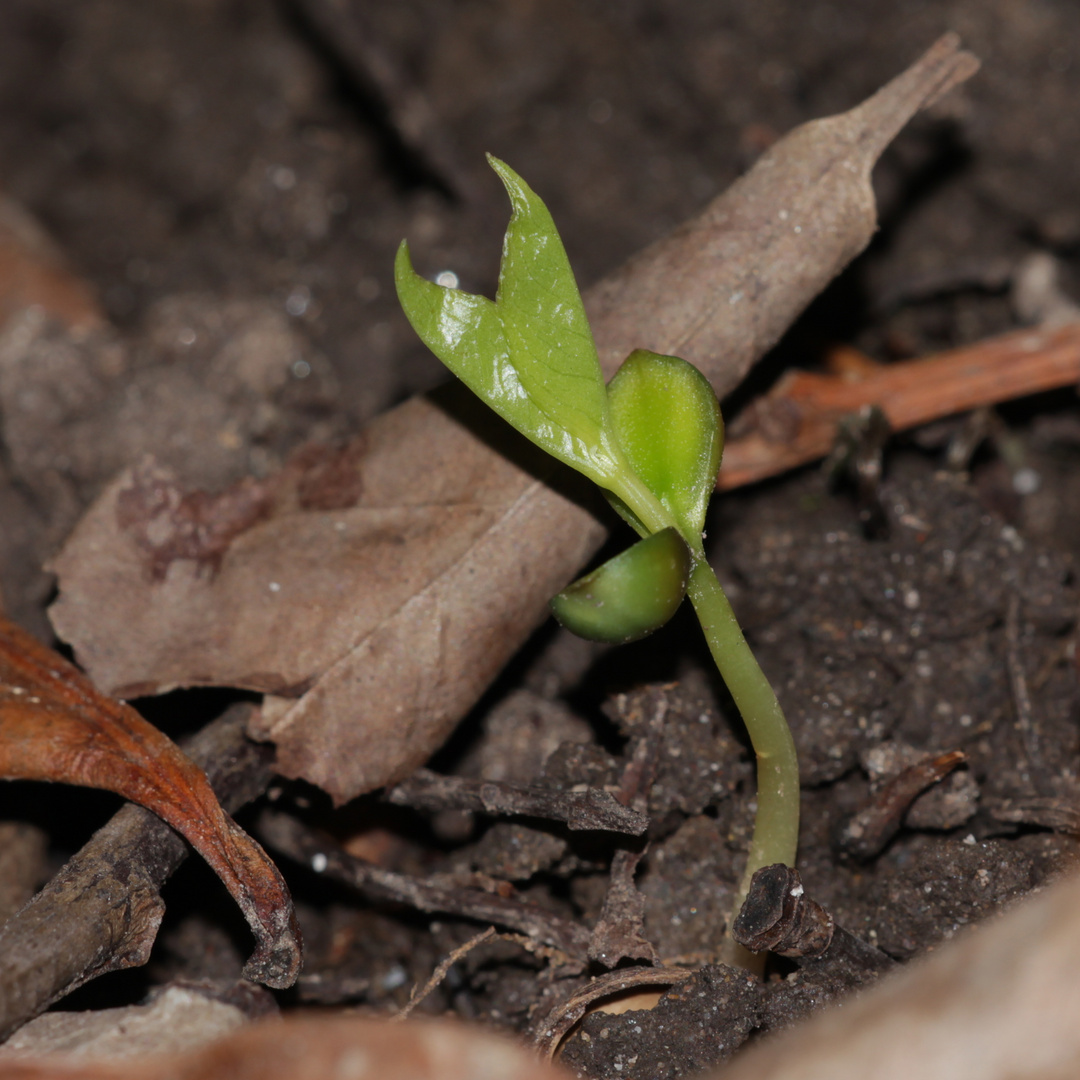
650	510
776	826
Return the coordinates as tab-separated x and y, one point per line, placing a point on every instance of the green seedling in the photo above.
632	594
651	440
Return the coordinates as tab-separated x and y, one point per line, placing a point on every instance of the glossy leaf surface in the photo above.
544	318
529	355
631	595
667	419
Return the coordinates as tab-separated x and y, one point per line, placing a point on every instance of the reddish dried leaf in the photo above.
395	614
32	272
54	725
796	421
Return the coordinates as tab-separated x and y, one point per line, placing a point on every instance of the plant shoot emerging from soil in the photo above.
651	440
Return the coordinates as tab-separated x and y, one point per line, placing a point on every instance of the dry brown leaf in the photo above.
316	1049
397	612
273	588
722	288
54	725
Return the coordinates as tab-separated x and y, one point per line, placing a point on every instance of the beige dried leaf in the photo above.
390	616
325	1048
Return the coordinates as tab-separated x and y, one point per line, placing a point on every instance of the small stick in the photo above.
327	858
866	832
796	421
418	994
1025	713
593	808
101	912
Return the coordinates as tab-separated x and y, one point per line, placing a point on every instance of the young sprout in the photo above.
651	440
632	594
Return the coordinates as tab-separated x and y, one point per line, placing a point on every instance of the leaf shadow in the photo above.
459	403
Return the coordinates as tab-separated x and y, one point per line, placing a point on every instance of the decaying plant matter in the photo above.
54	725
102	910
651	440
501	540
188	576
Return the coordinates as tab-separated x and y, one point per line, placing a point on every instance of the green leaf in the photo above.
544	319
627	514
631	595
667	419
465	332
530	354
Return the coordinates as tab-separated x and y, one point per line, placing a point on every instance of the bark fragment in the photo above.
593	808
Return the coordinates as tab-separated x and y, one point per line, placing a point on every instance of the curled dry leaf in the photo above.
390	617
316	1049
54	725
101	911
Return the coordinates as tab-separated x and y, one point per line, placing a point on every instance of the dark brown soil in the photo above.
229	170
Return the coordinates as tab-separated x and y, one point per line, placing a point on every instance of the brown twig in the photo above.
323	855
581	810
419	993
101	912
1025	713
796	421
868	830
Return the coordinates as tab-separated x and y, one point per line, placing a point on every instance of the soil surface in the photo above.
231	179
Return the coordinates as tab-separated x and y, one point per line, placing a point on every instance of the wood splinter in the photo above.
796	422
866	832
